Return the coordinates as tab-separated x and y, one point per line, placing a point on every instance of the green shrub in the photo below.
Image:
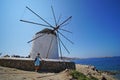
80	76
93	78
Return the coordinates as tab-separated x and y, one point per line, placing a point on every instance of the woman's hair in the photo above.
38	54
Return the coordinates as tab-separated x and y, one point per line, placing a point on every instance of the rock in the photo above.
103	78
89	70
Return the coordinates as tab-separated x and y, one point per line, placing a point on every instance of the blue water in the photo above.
104	64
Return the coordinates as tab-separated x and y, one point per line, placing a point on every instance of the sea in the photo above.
111	64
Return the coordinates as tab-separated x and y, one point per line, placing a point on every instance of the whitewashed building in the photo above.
46	44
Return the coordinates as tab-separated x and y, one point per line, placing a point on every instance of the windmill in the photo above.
47	41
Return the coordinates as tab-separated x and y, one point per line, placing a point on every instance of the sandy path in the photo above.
15	74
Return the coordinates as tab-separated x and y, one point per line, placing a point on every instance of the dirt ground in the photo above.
15	74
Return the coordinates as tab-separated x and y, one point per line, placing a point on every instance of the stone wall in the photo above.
50	66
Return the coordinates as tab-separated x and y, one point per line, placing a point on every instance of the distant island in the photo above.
76	58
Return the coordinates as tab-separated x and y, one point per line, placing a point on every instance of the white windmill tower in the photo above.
47	41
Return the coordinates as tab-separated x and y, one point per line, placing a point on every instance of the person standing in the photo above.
37	62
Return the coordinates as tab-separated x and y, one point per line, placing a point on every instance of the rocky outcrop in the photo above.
92	71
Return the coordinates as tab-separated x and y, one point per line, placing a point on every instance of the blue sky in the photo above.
95	25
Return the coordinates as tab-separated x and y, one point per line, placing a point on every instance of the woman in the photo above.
37	62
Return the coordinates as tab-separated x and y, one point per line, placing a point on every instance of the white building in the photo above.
45	43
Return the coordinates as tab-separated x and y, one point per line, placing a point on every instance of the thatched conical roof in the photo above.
46	30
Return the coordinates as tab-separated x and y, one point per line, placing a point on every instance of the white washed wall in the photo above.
41	45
